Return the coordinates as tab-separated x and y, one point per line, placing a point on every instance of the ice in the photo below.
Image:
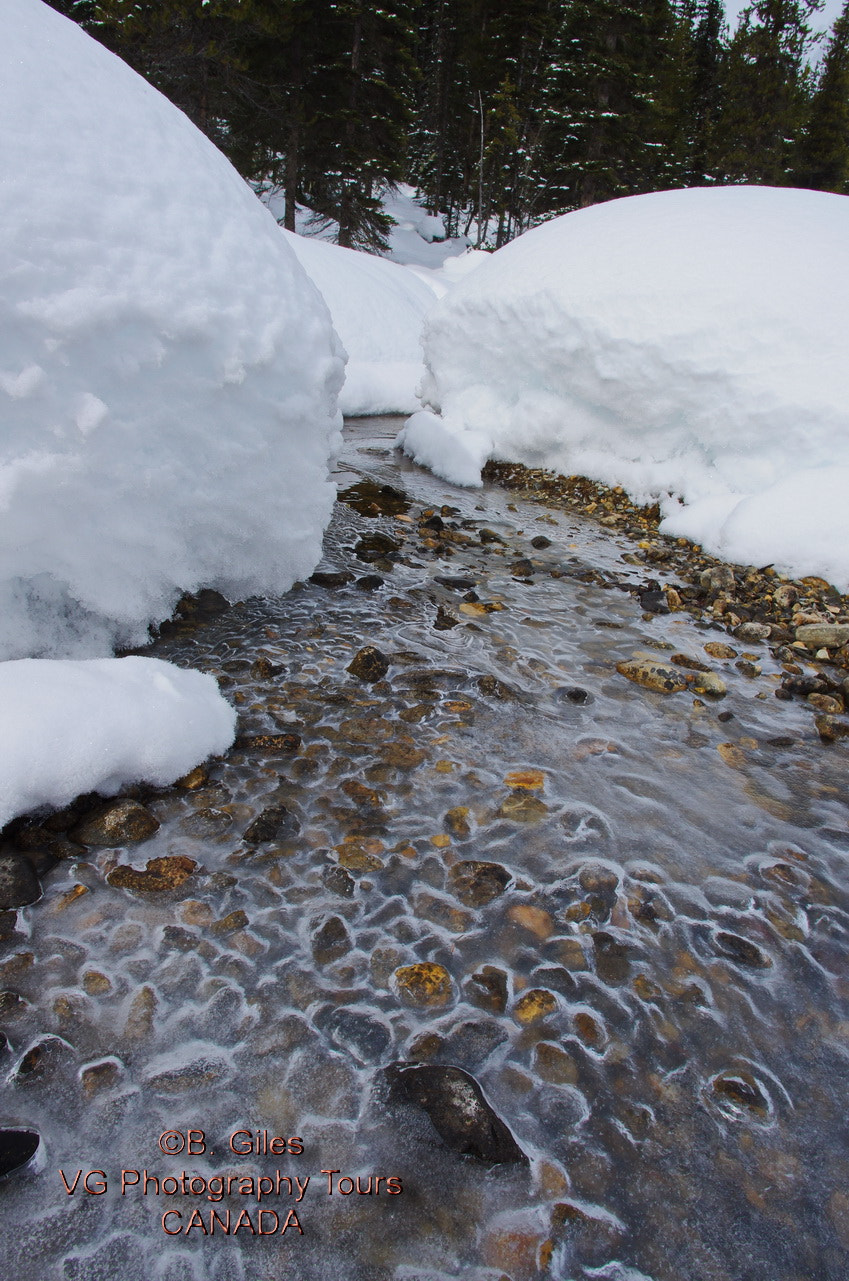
689	345
168	373
97	724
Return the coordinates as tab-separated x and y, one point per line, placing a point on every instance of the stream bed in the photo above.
623	912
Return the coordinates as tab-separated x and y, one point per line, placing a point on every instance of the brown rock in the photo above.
717	649
477	883
536	1004
487	989
139	1024
160	874
661	677
522	808
116	823
369	664
533	919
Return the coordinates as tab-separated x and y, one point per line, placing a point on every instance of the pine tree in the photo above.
823	159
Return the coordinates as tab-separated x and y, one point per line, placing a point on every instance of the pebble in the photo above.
477	883
536	1004
661	677
160	874
122	822
369	664
424	984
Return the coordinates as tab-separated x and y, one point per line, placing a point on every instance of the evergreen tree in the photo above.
767	88
823	159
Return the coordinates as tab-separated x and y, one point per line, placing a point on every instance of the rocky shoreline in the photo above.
805	622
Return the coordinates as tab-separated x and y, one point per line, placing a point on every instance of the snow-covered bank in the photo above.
168	373
97	724
689	345
378	310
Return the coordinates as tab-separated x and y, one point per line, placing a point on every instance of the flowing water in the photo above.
660	1010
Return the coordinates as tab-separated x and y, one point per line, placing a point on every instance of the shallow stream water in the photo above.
667	1038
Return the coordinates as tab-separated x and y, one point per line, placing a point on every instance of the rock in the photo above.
458	1111
718	579
598	878
331	579
611	958
19	884
331	941
708	683
372	499
338	881
554	1065
753	631
540	542
477	883
741	1090
574	694
455	584
533	919
652	598
369	583
717	649
369	664
487	989
401	754
740	950
17	1149
823	635
195	779
661	677
139	1025
522	808
273	824
692	664
424	984
377	547
230	924
363	1035
826	703
830	729
102	1075
440	910
534	1005
589	1029
492	687
457	821
472	1041
489	536
116	823
160	874
445	621
268	744
365	798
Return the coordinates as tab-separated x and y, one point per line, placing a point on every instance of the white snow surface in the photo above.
378	310
168	373
691	345
71	727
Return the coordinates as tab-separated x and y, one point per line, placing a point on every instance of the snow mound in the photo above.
97	724
378	310
168	373
691	345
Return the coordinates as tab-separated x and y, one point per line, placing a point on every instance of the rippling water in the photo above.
682	909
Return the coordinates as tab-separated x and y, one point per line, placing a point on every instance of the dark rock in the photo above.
262	669
476	883
331	940
330	578
492	687
455	584
487	988
433	522
369	664
122	822
458	1111
371	499
17	1148
573	694
271	744
338	881
522	568
19	884
273	824
369	583
489	536
740	950
203	604
540	542
741	1090
830	729
363	1035
445	621
375	547
652	598
43	1061
611	958
159	875
472	1042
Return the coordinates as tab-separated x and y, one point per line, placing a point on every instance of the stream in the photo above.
632	908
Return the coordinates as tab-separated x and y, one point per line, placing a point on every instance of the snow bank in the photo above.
378	310
98	724
690	345
168	373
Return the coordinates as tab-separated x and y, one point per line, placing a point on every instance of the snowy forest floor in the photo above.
624	872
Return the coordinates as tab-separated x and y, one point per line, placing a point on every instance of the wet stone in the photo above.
554	1065
540	542
230	923
740	950
338	881
331	579
369	583
830	729
477	883
268	744
611	958
573	694
458	1111
492	687
472	1042
361	1034
19	884
100	1076
117	823
372	499
534	1005
273	824
660	677
17	1148
741	1091
823	635
424	984
369	664
598	878
487	989
376	547
331	941
519	807
160	874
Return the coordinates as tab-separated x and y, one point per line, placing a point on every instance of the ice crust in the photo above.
70	727
168	373
690	345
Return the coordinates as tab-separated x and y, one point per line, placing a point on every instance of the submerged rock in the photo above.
661	677
159	874
17	1149
118	823
369	664
458	1111
19	884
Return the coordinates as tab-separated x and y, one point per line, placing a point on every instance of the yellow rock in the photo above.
441	841
527	778
732	755
536	1004
424	983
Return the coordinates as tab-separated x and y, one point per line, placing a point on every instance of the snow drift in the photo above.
168	373
100	723
378	310
690	345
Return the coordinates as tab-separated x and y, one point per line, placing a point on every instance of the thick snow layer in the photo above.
691	345
378	309
168	373
94	725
